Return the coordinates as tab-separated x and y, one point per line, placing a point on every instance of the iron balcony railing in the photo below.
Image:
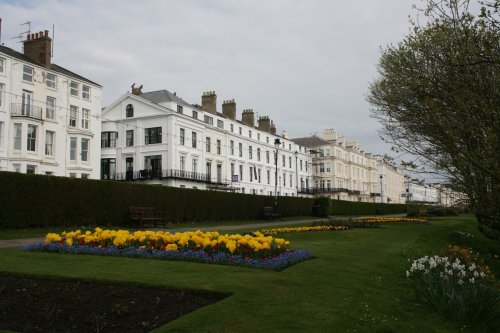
26	110
316	190
167	174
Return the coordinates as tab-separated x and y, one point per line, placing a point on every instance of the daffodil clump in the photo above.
252	245
372	219
275	231
461	291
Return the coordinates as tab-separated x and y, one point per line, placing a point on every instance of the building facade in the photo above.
49	116
158	138
391	181
418	192
341	170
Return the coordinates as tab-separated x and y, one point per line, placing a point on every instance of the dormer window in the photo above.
129	111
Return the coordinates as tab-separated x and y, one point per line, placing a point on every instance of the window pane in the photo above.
72	149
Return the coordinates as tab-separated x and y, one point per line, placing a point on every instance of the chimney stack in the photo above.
209	102
248	118
264	124
38	47
136	91
273	128
229	109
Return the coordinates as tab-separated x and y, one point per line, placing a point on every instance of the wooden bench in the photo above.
145	215
270	213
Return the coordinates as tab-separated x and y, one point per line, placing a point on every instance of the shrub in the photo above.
457	289
341	207
322	206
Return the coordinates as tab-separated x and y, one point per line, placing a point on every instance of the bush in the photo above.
456	289
429	211
341	207
322	206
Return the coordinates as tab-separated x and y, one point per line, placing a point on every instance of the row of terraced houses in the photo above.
51	123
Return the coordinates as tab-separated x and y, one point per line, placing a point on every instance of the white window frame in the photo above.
31	138
18	136
2	89
86	92
85	118
51	81
1	134
49	144
74	89
28	73
84	155
50	108
73	115
73	146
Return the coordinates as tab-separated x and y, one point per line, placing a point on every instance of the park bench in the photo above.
269	212
143	215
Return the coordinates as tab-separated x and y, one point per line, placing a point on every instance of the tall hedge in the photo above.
37	200
341	207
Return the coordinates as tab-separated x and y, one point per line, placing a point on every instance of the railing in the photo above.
356	192
168	174
25	110
316	190
375	194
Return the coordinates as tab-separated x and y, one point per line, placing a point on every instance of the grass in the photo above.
356	283
41	232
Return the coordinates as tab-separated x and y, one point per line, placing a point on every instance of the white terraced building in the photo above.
341	169
49	116
158	138
391	181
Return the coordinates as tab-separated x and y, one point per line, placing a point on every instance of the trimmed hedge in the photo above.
341	207
38	200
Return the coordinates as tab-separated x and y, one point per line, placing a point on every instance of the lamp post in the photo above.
296	174
277	144
381	189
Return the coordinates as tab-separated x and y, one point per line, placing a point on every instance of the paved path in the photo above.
24	241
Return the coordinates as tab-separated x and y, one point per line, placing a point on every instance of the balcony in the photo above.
169	174
318	190
26	110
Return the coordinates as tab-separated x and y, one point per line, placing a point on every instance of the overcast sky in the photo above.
306	64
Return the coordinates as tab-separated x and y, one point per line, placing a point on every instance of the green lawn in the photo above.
41	232
356	283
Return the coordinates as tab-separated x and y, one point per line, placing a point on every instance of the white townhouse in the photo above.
391	181
341	170
417	191
158	138
49	116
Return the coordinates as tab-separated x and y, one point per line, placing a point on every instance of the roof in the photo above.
311	141
162	96
53	67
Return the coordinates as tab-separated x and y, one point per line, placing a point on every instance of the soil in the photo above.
32	304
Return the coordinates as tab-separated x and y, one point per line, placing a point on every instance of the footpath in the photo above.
24	241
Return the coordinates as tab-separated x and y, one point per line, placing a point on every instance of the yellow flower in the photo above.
171	247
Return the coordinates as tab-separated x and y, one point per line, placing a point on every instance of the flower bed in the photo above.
256	250
457	286
370	221
275	231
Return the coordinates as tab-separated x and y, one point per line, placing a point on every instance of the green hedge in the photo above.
341	207
36	200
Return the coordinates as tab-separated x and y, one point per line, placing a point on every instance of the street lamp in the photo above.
381	189
277	144
296	174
